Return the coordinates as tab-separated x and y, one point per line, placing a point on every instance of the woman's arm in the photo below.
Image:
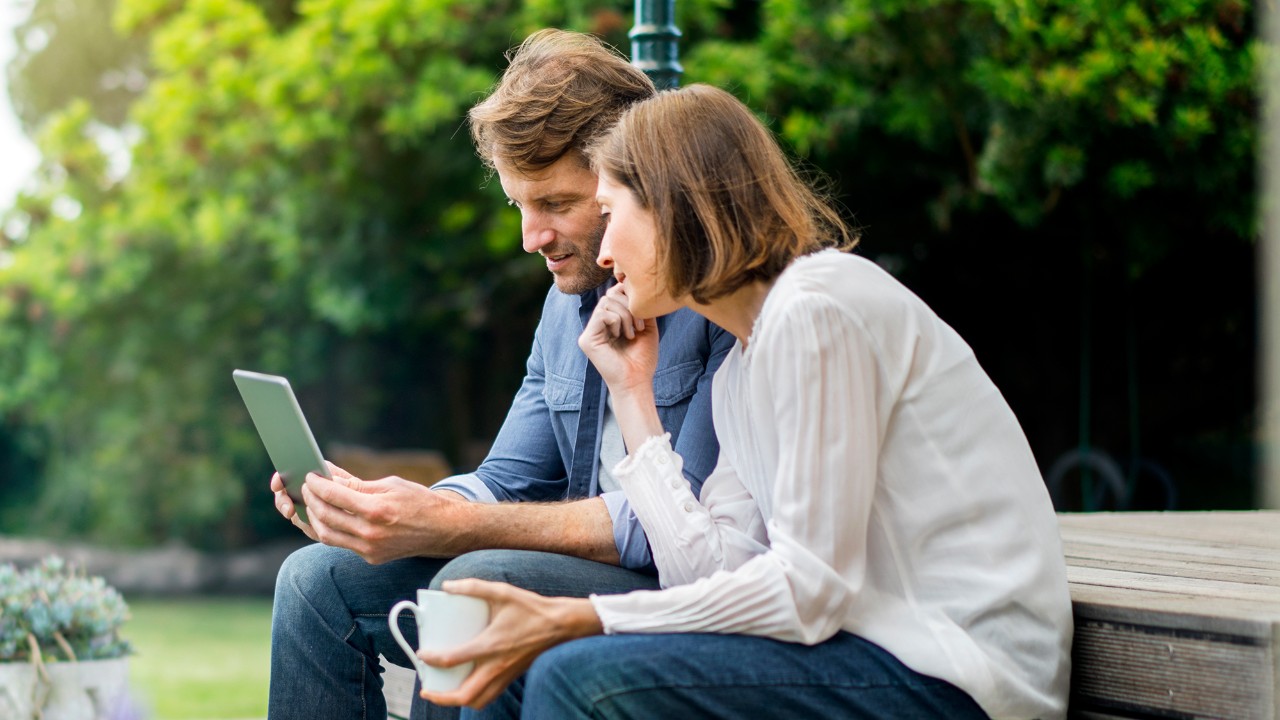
690	538
522	626
818	369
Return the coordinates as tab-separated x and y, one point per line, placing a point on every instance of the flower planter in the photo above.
61	656
86	690
90	690
20	693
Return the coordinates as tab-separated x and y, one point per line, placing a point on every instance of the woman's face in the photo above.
629	249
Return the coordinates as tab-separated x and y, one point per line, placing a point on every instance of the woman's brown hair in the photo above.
559	92
729	207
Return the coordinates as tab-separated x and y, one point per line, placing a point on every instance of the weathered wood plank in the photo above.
1177	614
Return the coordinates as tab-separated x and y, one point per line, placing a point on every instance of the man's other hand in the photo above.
284	505
381	520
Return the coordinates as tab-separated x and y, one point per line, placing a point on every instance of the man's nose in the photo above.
535	233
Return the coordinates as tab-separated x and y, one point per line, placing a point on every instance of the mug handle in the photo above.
393	620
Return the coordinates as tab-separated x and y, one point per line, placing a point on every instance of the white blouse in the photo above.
871	479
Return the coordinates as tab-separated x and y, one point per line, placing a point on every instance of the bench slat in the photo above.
1177	614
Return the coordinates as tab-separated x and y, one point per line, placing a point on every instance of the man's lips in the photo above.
556	262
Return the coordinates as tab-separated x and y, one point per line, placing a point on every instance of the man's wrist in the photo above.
452	494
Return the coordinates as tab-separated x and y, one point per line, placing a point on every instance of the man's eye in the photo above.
512	203
554	205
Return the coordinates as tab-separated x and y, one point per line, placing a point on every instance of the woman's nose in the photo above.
605	258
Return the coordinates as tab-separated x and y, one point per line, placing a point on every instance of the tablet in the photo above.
283	430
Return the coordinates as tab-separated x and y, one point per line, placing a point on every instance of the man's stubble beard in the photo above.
590	276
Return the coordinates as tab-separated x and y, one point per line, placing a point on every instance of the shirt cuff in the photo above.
628	534
469	486
655	450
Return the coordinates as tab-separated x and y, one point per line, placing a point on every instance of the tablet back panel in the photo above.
283	429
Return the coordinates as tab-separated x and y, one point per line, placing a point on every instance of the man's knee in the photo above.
509	566
316	571
303	570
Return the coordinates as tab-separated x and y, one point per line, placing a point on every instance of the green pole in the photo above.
654	42
1268	494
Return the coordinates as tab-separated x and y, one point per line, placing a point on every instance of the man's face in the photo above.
560	219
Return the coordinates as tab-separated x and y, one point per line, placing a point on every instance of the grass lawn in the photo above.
204	659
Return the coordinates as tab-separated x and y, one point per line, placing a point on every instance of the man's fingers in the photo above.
336	472
329	525
318	496
346	479
342	493
305	528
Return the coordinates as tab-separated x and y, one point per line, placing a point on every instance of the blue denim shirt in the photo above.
534	449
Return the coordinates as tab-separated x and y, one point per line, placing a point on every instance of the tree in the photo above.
302	198
1070	183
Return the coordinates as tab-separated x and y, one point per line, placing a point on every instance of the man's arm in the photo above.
391	518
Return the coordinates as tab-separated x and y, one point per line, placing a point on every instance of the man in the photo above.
381	540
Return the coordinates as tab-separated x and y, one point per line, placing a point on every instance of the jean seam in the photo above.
611	694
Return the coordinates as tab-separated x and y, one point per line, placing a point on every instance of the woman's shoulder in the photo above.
839	279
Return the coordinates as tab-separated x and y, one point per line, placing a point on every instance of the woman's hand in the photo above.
522	625
623	348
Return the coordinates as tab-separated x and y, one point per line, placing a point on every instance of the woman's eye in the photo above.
604	215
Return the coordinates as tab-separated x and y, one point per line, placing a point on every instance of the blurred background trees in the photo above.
290	187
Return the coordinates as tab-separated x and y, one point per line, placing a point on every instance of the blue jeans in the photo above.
329	622
724	676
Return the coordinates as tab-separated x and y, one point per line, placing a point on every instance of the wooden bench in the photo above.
1177	614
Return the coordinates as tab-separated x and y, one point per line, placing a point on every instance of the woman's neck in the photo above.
737	311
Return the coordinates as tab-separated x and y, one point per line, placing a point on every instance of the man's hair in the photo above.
559	92
729	208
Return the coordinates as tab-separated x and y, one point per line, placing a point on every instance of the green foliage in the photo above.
66	52
298	197
1014	102
301	197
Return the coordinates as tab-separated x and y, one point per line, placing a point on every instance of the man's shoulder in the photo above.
560	313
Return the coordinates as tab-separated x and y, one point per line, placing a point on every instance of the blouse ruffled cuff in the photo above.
654	453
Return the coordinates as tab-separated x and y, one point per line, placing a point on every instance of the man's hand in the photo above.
284	505
522	625
380	520
392	518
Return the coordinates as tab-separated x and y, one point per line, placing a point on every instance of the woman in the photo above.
875	541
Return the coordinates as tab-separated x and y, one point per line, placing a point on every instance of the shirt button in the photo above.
688	507
675	483
662	459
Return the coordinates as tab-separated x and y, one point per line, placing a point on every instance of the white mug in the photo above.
444	621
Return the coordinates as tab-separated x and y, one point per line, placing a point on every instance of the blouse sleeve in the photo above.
825	380
690	539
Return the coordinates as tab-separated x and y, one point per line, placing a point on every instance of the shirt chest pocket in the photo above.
562	394
671	386
674	385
